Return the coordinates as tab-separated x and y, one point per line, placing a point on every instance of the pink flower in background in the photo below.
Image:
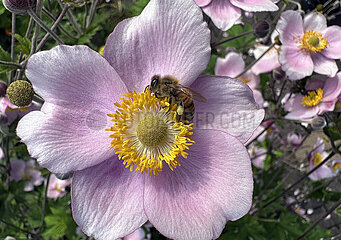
12	112
316	156
321	97
26	170
225	13
308	45
56	187
232	65
138	234
193	200
294	139
258	156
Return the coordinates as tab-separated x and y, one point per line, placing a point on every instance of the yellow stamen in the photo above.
336	166
245	79
317	159
313	42
57	188
312	98
146	133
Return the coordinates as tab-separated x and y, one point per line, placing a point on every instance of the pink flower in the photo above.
138	234
294	139
232	65
225	13
56	187
193	200
258	156
321	97
308	45
22	170
12	112
316	156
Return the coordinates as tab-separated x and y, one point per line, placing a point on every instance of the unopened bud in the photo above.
278	74
19	6
318	123
3	119
3	88
262	29
20	93
63	176
319	7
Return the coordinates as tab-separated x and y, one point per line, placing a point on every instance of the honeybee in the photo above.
170	87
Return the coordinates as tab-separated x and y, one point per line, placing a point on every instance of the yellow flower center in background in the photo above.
336	166
146	133
313	42
317	159
312	98
244	80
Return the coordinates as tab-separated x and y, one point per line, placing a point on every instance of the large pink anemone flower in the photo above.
226	13
308	45
186	180
321	97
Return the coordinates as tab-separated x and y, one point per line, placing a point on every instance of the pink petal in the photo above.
107	200
333	35
314	21
255	5
301	112
230	66
210	187
202	3
17	169
230	106
268	62
296	64
80	88
332	88
138	234
326	106
290	27
257	95
323	65
314	84
223	14
253	79
168	38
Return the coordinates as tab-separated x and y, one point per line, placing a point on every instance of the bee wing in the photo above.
196	96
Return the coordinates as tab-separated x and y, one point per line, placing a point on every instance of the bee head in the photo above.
155	81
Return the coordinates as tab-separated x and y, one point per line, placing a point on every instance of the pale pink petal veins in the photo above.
168	38
255	5
223	14
230	66
230	106
323	65
202	3
290	27
333	35
107	200
79	88
332	88
314	21
210	187
296	64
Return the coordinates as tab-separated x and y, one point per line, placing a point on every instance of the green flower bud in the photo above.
20	93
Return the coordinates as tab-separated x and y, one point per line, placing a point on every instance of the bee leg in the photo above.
147	87
180	111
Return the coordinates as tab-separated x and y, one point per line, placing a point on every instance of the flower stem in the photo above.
43	208
255	61
12	64
72	19
11	76
42	25
59	19
92	12
233	38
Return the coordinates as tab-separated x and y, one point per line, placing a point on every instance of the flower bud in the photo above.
262	29
3	88
3	119
278	74
20	93
19	6
318	123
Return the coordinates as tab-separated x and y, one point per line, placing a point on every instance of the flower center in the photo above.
152	131
312	98
146	133
313	42
336	166
57	188
317	159
244	79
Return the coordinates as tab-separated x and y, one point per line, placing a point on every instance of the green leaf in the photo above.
4	56
2	8
24	45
